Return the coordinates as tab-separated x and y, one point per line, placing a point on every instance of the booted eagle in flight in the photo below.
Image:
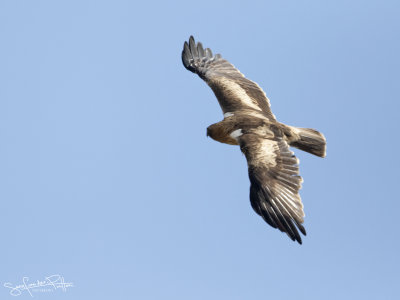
248	122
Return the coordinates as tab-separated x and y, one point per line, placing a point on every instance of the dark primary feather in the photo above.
208	53
200	50
275	183
223	78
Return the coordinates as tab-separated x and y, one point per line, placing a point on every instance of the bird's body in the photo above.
249	123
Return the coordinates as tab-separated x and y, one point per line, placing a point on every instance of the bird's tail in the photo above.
309	140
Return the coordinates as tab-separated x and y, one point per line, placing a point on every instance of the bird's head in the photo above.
214	131
220	133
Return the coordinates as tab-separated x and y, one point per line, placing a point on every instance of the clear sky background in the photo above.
107	177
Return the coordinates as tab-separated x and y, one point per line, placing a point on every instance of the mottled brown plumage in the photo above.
248	122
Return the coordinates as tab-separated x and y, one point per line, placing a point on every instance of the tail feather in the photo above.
310	140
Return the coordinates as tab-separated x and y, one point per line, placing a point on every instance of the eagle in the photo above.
249	123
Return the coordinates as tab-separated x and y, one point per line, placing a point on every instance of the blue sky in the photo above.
108	179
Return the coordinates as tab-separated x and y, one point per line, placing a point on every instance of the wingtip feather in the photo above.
193	48
195	57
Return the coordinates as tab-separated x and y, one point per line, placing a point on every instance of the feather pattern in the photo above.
233	90
248	122
275	183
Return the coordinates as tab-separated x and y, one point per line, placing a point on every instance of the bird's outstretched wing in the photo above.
233	90
275	183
